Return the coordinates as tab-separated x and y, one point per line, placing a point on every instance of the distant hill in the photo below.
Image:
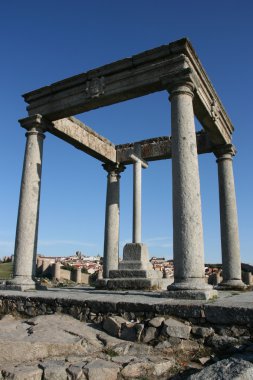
6	270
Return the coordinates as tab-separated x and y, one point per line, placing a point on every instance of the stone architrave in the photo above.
187	219
28	213
111	236
230	245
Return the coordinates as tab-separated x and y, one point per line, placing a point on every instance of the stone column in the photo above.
28	213
230	246
187	219
137	168
111	236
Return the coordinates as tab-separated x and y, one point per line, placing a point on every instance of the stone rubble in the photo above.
58	347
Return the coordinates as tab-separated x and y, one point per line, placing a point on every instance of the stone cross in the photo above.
138	165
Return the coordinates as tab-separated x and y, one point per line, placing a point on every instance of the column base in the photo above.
198	283
231	285
200	294
19	283
190	288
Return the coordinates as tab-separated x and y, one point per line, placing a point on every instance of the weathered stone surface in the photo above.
113	325
123	359
150	334
158	148
55	373
101	369
138	370
76	372
156	322
177	329
202	332
135	253
45	336
132	77
84	138
232	369
129	332
231	269
27	224
133	283
222	342
22	373
201	294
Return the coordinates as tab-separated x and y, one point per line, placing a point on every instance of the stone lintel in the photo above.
132	77
84	138
158	148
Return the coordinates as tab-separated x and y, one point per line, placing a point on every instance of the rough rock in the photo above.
22	373
76	372
55	372
222	342
156	322
232	369
138	370
150	334
202	332
177	329
48	336
123	359
112	325
163	368
101	369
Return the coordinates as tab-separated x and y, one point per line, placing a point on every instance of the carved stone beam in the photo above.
84	138
158	148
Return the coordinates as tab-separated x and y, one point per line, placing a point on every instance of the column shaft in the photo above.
187	218
231	262
137	169
111	237
28	213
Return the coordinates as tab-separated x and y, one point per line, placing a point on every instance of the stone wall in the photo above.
97	311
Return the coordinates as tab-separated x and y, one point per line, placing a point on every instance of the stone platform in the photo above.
135	271
229	308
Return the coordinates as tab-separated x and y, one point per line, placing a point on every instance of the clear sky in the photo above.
46	41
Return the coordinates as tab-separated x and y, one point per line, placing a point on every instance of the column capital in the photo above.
182	89
185	82
34	123
225	151
113	169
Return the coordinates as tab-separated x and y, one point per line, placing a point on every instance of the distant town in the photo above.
91	265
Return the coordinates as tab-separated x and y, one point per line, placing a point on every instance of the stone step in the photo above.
124	273
134	283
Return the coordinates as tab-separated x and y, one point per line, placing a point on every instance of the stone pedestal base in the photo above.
231	285
190	288
135	271
200	294
20	283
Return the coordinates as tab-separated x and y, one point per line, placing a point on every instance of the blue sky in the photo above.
43	42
